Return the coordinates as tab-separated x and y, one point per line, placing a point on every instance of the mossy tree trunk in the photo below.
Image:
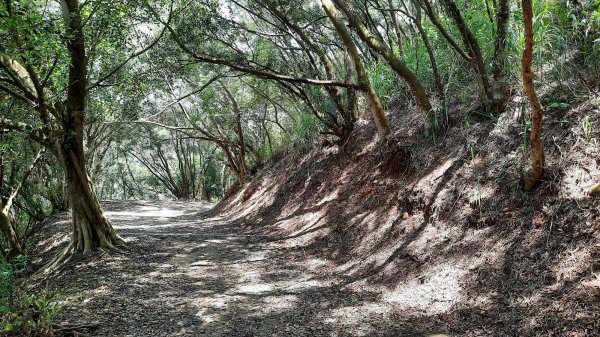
375	104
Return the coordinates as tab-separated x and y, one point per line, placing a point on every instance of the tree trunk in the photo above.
417	90
333	91
6	224
91	229
377	111
223	181
397	29
537	150
434	66
500	87
9	232
474	52
352	105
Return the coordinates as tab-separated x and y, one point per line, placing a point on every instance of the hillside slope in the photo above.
476	255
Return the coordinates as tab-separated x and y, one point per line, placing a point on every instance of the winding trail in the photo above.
186	274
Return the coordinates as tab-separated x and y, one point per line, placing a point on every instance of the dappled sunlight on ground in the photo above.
185	275
381	237
435	291
441	234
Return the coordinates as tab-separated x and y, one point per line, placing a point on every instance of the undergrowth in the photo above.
23	313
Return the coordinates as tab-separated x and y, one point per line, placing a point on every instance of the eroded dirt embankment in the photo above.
476	256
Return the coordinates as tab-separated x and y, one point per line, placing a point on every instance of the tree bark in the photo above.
377	111
91	229
434	66
397	29
242	168
500	87
352	104
6	201
418	91
474	51
7	229
537	150
333	91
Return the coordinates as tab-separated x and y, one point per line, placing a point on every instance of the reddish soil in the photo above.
477	256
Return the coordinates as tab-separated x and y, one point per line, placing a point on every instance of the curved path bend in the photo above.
187	274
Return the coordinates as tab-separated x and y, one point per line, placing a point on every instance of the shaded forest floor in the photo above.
317	243
185	274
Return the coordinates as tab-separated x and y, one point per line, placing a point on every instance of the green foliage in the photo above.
8	275
587	129
383	79
212	181
303	129
136	113
30	315
24	314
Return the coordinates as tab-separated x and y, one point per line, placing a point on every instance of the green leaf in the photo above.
559	105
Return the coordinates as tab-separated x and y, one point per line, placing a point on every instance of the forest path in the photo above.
185	274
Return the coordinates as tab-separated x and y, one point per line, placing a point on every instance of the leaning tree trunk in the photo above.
474	51
377	111
7	225
537	150
434	66
416	88
10	235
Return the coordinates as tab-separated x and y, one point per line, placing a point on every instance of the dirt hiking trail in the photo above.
186	274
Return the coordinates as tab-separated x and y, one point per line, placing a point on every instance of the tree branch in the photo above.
244	69
131	57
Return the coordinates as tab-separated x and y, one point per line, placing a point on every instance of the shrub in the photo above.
30	315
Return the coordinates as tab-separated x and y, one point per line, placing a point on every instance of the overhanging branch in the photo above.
245	69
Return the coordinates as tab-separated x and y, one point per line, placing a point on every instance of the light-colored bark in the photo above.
500	84
6	224
416	88
376	108
9	233
351	93
594	190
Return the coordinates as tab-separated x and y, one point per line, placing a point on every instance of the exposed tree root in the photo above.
69	251
74	329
